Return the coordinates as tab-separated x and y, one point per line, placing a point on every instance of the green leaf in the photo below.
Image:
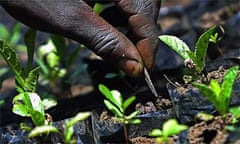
227	85
215	87
235	111
156	133
22	105
115	99
201	49
99	7
40	130
134	121
29	40
128	101
79	117
177	45
208	92
132	115
36	102
4	32
31	80
68	134
15	34
29	105
113	108
13	62
21	110
171	127
38	117
204	116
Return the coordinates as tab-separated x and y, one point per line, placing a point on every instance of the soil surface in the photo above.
186	19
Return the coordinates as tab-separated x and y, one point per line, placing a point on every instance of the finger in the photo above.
76	20
142	19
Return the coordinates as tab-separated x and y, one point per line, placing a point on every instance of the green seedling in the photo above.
204	117
55	62
27	103
68	129
115	103
170	127
194	58
219	95
235	111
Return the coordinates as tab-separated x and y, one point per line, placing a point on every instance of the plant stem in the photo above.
125	133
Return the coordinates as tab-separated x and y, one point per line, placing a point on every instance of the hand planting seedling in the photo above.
219	95
170	127
118	106
192	59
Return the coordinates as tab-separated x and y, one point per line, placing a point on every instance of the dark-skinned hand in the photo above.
75	19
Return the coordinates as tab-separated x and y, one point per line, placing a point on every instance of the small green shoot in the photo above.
235	111
195	59
204	117
29	105
170	127
118	106
68	129
219	95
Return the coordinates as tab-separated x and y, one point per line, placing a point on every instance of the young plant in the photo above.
68	128
118	106
170	127
27	103
194	58
219	95
235	111
55	62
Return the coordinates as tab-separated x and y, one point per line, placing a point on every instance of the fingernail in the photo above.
133	68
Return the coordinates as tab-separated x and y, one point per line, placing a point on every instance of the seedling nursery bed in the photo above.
198	117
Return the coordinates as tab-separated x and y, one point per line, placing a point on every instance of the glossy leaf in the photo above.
113	108
201	49
77	118
13	62
109	95
128	101
177	45
171	127
117	97
31	80
132	115
134	121
155	133
235	111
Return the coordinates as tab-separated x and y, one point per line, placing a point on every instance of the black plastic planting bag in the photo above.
107	131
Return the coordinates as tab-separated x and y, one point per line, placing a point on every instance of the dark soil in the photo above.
186	20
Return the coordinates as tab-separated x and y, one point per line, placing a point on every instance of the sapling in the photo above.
170	127
118	106
219	94
194	59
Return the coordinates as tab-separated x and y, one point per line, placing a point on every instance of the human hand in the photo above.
76	20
